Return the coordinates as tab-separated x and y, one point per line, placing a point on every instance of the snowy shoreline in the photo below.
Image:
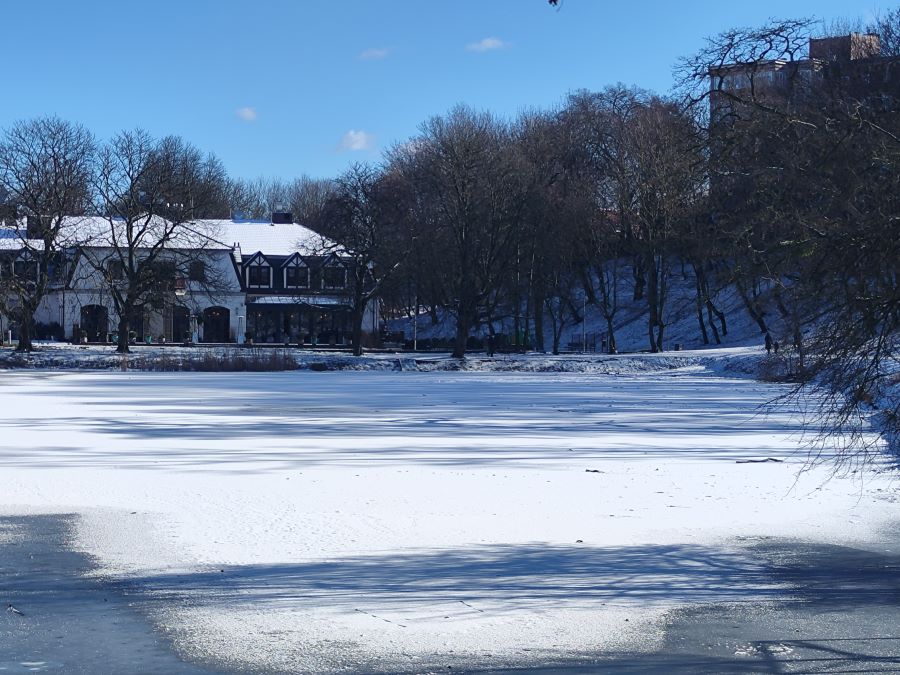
735	361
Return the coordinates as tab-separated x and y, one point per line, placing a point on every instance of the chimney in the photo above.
34	228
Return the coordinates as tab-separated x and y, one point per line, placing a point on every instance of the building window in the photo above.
197	270
114	270
296	277
334	277
163	271
25	269
259	276
56	268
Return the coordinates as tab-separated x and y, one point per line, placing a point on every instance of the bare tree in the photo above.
601	127
149	192
887	27
362	216
543	263
606	252
45	172
804	159
665	150
304	197
463	173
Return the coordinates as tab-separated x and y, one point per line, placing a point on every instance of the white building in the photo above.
232	281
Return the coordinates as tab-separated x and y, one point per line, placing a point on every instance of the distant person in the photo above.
775	346
769	344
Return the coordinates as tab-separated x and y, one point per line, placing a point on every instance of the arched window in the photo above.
216	322
95	322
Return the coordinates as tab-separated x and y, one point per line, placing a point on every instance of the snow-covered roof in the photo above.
314	300
250	236
147	232
100	231
270	238
12	239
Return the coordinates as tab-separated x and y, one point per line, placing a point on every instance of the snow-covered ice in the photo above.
409	520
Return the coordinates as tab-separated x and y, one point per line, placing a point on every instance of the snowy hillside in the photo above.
682	325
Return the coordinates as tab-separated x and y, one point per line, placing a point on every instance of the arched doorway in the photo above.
136	323
181	324
95	322
215	324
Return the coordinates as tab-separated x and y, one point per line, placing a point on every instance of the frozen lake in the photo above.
407	521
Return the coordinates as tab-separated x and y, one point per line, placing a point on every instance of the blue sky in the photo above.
284	88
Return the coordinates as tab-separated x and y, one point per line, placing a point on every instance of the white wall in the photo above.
88	288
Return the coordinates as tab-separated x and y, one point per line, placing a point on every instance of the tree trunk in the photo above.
703	299
661	271
463	319
526	327
637	271
462	337
801	352
610	336
526	324
357	329
124	326
492	337
752	309
652	302
539	326
556	327
26	321
660	329
359	311
700	320
720	315
517	324
710	309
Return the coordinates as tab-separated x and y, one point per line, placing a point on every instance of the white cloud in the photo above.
247	114
374	54
487	44
355	141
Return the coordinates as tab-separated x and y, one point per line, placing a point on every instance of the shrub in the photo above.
232	360
48	331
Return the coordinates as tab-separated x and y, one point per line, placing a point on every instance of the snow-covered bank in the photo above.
60	356
308	521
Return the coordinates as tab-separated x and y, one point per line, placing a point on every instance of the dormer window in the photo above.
25	267
334	276
259	273
296	277
296	273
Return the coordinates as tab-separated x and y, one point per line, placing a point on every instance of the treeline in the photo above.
804	205
765	172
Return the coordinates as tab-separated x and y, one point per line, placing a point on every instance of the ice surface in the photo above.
413	520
